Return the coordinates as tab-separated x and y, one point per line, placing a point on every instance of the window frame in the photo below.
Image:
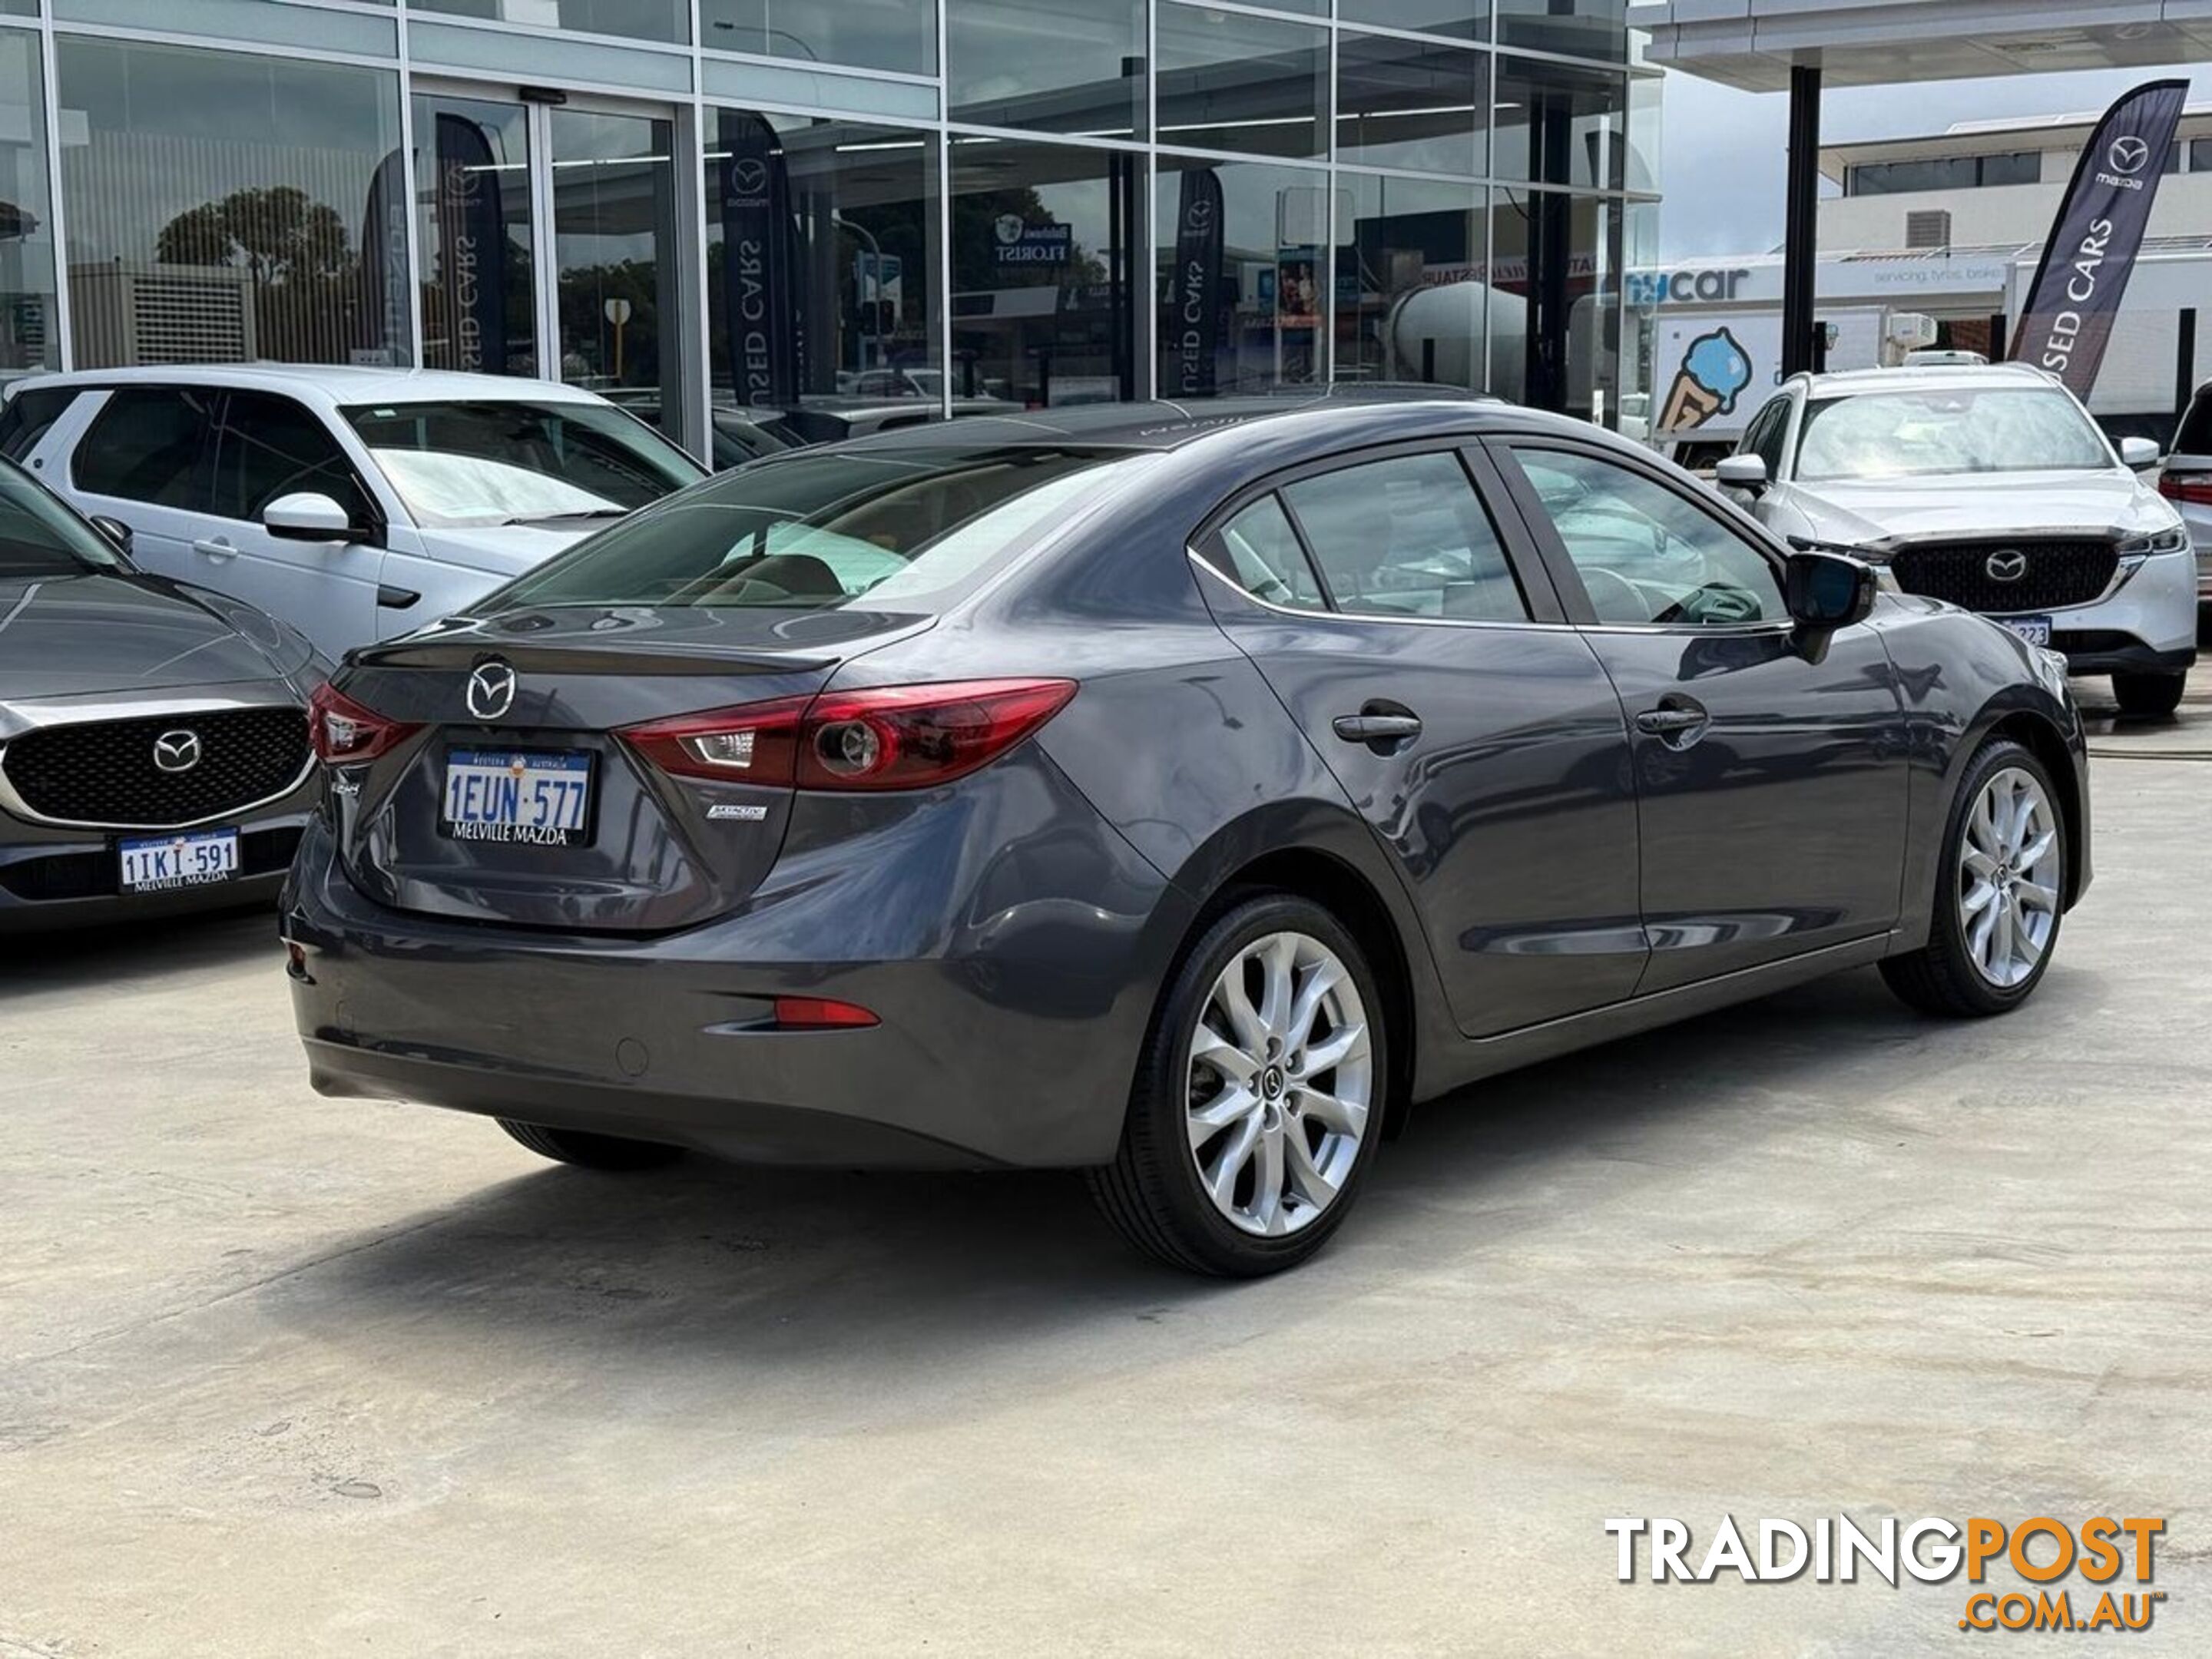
1523	556
1566	575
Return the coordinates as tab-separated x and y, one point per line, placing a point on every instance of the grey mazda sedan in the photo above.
153	754
1179	796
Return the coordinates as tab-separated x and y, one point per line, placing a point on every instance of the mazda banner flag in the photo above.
1193	330
2076	297
759	275
471	276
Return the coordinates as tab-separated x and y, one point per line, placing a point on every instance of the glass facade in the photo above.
704	209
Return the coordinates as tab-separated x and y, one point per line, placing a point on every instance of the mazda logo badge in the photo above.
2130	155
177	751
491	689
2008	566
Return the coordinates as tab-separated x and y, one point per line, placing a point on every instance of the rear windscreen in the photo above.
2195	437
814	530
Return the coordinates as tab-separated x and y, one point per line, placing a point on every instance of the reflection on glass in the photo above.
27	340
639	19
1411	288
1239	249
822	245
525	461
1041	241
1559	124
1639	326
472	217
1074	66
614	249
224	207
1230	82
1644	131
1463	20
1574	29
888	34
1555	312
1402	104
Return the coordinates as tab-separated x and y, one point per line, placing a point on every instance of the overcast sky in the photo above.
1721	157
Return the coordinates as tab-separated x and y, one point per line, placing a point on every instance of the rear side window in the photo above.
267	446
1407	537
29	414
1259	552
149	446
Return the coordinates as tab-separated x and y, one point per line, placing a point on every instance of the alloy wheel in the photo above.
2009	878
1279	1085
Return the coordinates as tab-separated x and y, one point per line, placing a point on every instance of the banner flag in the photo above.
1194	305
471	249
2076	297
760	261
385	321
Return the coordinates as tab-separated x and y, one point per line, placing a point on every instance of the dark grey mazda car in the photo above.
154	752
1177	796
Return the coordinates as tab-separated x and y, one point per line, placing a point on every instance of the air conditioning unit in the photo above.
1927	227
133	313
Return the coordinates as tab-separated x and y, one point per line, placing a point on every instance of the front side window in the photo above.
1902	434
1767	436
822	529
147	447
1646	555
501	461
268	447
1407	537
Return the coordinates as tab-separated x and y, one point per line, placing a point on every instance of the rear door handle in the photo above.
216	549
1377	728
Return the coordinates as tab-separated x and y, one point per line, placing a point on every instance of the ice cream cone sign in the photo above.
1713	373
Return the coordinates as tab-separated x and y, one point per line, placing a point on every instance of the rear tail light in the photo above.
344	732
2194	489
896	737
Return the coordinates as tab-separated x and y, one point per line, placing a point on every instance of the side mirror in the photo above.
114	530
307	516
1744	472
1827	591
2140	454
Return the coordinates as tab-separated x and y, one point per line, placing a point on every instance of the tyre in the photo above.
1259	1096
591	1151
2148	696
1998	904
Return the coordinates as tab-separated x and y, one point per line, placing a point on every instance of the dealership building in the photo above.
689	202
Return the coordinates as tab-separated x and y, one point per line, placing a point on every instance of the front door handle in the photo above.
1377	728
216	549
1676	721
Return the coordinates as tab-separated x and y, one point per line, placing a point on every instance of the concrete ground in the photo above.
286	1376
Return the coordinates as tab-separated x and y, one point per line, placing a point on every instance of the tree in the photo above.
278	232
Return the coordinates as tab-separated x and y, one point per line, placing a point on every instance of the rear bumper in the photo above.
1008	1033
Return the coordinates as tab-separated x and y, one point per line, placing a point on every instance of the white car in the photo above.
354	503
1991	488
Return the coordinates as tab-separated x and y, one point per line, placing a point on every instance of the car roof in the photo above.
1927	377
327	384
1336	417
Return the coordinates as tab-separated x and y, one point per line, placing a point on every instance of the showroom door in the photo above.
550	244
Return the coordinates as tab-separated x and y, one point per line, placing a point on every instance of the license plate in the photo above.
2036	630
158	863
542	796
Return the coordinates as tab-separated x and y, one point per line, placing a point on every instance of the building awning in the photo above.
1753	44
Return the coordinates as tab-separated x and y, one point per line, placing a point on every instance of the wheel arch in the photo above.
1360	895
2038	735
